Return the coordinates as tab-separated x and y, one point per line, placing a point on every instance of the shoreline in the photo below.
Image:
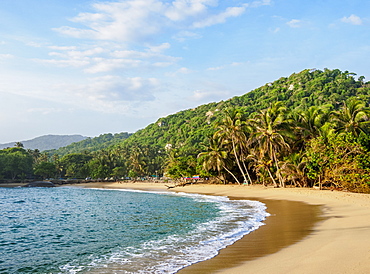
336	243
334	239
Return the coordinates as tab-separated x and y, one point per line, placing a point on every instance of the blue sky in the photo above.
91	67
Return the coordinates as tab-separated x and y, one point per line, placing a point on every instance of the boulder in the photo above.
40	184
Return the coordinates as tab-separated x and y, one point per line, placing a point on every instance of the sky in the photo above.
91	67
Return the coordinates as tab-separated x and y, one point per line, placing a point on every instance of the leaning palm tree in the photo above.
216	158
231	130
271	133
294	169
353	118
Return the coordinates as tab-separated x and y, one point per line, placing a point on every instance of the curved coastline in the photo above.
289	223
334	243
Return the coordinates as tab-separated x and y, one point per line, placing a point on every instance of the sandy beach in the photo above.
309	231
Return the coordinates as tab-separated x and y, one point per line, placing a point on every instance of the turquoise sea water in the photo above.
76	230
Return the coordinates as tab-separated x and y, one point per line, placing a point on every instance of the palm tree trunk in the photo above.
272	177
237	160
246	169
236	179
277	169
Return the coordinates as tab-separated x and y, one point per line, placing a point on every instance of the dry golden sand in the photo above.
292	241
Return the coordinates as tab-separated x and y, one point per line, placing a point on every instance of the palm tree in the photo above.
215	158
294	169
137	162
232	132
271	133
261	165
353	118
18	144
310	121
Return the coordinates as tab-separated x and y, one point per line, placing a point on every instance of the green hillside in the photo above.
311	128
189	128
91	144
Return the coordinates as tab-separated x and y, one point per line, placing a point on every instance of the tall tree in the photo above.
16	163
231	130
271	133
75	165
45	169
216	158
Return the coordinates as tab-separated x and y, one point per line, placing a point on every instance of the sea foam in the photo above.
235	219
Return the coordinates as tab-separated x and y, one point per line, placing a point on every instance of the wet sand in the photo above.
289	223
309	231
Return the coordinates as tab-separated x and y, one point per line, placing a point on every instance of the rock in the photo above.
40	184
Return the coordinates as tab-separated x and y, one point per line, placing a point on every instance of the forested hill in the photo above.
188	129
311	128
91	144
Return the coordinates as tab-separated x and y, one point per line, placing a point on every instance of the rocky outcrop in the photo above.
40	184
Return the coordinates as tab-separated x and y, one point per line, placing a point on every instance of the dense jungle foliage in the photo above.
309	129
91	144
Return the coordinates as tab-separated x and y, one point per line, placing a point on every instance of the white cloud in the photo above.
71	56
137	20
108	64
352	19
109	57
118	21
256	4
216	68
235	64
294	23
34	44
78	54
162	64
184	35
182	9
220	18
63	47
184	70
160	48
65	63
6	56
76	33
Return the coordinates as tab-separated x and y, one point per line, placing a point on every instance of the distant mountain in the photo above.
92	144
47	142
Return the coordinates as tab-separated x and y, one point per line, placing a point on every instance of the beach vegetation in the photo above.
310	129
45	170
15	163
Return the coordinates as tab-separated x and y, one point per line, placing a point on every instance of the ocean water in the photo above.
76	230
